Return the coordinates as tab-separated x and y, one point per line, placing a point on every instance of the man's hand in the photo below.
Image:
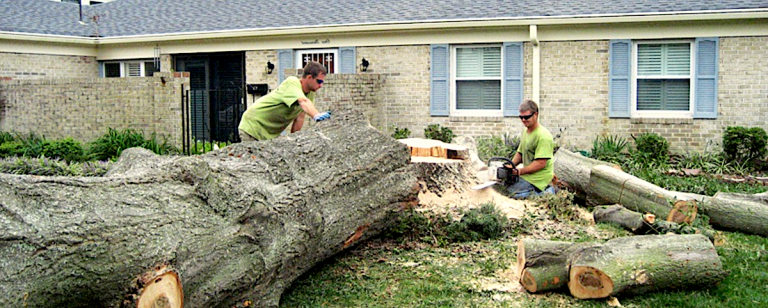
322	116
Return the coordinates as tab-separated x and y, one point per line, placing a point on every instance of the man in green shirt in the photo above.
535	151
293	99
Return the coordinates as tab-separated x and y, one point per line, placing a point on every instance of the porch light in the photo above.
270	67
364	65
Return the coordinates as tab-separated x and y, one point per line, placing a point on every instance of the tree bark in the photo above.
645	263
573	170
543	264
643	223
747	213
610	186
241	223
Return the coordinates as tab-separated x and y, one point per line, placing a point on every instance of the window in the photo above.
663	79
476	87
326	57
130	69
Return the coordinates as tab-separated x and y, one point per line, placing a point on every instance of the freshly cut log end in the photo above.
683	211
587	282
649	218
545	278
162	289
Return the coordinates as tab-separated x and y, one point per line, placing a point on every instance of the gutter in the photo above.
399	26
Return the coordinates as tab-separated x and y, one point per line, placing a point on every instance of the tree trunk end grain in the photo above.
545	278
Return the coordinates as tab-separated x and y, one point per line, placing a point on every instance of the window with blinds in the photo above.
130	69
478	77
663	76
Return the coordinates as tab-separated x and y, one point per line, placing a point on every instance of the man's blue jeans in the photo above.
523	189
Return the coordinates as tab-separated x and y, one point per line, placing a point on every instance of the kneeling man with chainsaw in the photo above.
535	151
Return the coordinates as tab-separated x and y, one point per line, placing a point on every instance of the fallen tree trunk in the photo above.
747	213
645	263
236	224
644	223
610	186
573	170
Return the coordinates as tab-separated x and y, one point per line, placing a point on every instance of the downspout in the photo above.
534	32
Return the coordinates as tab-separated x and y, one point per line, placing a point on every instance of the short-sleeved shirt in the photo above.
272	113
535	145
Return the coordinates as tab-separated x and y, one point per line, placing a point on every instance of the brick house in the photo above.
683	69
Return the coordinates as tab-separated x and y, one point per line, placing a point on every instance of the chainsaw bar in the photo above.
484	185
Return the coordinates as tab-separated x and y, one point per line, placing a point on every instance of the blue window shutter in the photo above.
347	60
707	52
513	78
620	77
284	61
439	76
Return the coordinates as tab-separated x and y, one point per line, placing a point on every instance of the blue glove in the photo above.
322	116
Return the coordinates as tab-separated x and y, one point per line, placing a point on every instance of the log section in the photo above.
644	263
573	170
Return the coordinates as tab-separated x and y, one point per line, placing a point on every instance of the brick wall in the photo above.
84	108
574	95
36	66
255	70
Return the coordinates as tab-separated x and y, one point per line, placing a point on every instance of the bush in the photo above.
11	149
744	145
609	148
497	146
484	223
110	145
32	145
437	132
653	146
6	137
400	133
66	149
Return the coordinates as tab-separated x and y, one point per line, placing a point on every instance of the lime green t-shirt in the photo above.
534	145
272	113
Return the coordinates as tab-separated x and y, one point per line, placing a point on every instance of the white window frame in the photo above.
454	111
335	51
634	113
124	68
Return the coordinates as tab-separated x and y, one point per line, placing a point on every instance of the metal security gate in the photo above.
215	100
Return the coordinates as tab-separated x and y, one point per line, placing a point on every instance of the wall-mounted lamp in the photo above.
364	65
270	67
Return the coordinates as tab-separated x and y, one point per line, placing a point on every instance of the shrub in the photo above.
400	133
67	149
110	145
11	149
609	148
497	146
478	224
652	145
6	137
744	145
437	132
32	145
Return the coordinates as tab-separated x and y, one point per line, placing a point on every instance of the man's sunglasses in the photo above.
522	117
319	81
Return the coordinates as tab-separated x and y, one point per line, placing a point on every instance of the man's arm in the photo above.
534	166
308	107
298	122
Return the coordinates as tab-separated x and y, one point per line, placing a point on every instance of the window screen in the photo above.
478	78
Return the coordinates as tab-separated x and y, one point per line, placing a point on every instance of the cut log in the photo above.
610	186
746	213
644	263
435	148
573	170
236	224
683	211
439	176
161	288
630	220
644	223
543	264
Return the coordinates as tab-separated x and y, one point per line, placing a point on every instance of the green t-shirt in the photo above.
272	113
535	145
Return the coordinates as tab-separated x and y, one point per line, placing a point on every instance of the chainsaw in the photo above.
500	171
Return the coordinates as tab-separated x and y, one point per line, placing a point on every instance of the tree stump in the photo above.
240	223
441	167
644	263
